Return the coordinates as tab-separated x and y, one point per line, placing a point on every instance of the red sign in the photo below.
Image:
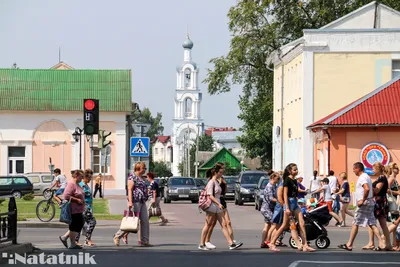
374	152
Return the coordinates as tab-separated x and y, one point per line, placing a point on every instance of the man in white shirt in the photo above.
364	214
333	185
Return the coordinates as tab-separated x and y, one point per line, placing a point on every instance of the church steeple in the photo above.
187	46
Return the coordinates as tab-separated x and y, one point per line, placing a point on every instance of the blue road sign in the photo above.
140	147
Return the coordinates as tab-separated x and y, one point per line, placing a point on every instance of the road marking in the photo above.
296	263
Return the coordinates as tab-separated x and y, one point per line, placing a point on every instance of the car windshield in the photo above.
251	178
230	180
264	183
182	181
201	182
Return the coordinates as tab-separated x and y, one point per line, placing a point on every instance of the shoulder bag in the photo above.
204	199
393	206
129	223
65	213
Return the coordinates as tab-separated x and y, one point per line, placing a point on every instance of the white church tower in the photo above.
187	117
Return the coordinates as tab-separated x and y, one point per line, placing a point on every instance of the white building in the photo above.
162	150
187	116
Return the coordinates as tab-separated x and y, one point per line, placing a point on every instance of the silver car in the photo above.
40	180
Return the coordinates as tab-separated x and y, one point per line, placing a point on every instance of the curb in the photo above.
56	225
18	248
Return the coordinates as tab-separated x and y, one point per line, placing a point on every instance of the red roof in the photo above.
380	107
162	138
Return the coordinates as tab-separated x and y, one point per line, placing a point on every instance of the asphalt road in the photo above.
176	244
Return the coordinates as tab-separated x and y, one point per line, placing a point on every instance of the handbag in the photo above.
204	200
393	206
345	199
65	213
154	211
129	224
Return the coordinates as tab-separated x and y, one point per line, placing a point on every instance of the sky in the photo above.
144	36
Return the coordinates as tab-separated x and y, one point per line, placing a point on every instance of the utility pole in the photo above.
197	152
188	150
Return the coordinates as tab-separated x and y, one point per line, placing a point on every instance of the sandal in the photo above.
274	249
345	247
125	239
280	244
368	248
308	249
378	249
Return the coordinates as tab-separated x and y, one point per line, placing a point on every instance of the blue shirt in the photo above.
88	195
301	195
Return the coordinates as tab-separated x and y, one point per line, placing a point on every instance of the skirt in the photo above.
381	208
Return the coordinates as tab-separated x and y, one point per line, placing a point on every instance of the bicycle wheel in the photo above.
47	194
45	210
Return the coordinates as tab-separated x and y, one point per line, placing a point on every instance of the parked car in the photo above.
245	185
181	188
41	181
15	185
259	192
230	192
200	183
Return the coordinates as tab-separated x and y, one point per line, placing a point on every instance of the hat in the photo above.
299	177
301	200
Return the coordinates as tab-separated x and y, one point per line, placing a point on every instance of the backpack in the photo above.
204	200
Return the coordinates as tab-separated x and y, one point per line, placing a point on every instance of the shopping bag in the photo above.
65	213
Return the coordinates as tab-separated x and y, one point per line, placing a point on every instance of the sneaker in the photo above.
210	246
116	240
146	245
343	224
337	224
203	247
64	242
235	246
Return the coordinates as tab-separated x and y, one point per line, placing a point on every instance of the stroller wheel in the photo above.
293	243
322	242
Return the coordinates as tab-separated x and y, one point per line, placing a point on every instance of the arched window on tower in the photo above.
188	77
188	107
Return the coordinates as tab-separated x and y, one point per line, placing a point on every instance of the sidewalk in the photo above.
36	223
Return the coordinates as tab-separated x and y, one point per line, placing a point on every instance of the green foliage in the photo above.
258	28
161	169
28	197
228	171
1	201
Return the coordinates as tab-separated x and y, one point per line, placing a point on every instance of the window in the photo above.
187	78
20	181
99	162
5	181
395	68
16	152
35	179
47	179
162	151
188	107
156	151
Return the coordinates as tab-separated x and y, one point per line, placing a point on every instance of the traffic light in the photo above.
91	116
102	139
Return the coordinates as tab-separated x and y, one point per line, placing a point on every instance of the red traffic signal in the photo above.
89	104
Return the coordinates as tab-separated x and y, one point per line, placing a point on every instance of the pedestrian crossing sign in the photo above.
140	147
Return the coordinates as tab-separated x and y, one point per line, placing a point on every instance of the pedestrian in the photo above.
98	186
137	197
154	196
216	209
89	219
291	211
333	184
267	208
327	199
344	196
60	181
314	184
224	188
302	189
74	193
364	215
381	209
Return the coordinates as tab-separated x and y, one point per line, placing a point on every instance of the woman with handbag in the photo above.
393	194
137	197
153	203
74	193
345	197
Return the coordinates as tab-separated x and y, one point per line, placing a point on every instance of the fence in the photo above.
8	222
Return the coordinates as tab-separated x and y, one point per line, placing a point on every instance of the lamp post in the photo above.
242	163
77	135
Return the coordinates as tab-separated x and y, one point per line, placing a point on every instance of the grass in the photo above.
27	209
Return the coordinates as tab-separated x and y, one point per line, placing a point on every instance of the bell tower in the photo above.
187	116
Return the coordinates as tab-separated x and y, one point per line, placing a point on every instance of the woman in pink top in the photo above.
74	193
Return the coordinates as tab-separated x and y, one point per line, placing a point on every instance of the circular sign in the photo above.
374	152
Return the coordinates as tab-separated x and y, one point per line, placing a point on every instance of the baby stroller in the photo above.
315	220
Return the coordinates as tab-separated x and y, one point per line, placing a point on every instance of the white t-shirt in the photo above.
327	193
62	180
332	183
315	184
363	179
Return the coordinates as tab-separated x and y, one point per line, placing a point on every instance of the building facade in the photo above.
40	109
323	71
162	150
187	116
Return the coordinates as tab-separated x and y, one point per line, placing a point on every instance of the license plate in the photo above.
184	196
230	194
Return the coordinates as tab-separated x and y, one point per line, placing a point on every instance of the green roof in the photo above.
64	90
225	156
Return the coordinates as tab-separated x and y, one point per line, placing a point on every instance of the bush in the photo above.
28	197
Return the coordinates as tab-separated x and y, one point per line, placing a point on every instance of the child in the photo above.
302	205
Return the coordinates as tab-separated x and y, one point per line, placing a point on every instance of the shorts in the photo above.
60	191
330	205
76	223
364	215
277	217
292	204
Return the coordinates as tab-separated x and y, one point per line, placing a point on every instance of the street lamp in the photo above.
77	135
242	163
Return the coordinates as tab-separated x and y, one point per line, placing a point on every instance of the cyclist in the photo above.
61	182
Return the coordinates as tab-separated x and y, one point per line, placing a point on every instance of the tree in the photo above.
161	169
260	27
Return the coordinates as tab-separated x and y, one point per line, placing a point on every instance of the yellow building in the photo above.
325	70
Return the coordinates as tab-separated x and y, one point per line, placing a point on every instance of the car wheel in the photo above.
195	201
17	194
240	201
236	202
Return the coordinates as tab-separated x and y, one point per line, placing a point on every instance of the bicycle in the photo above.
47	206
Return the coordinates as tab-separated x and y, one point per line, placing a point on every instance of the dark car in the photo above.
245	185
161	184
15	185
181	188
200	183
231	181
259	192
